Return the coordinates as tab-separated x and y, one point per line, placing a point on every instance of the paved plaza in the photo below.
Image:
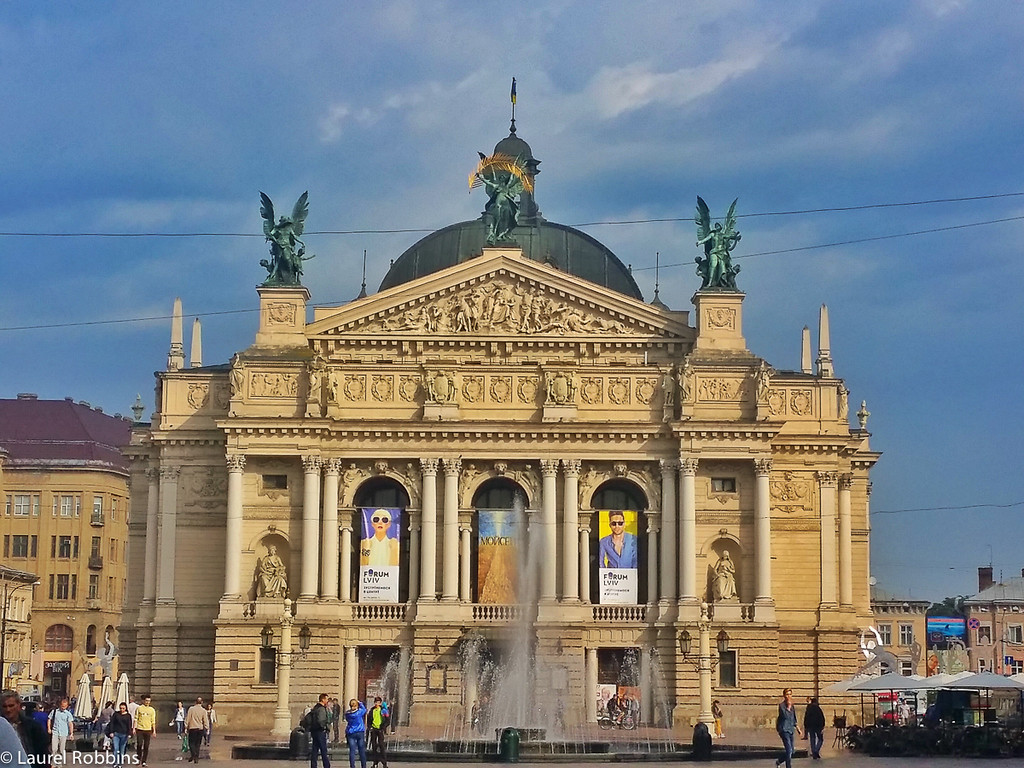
165	751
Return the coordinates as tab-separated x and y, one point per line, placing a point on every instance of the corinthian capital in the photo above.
169	472
235	462
827	479
452	466
762	467
311	464
688	466
428	466
571	467
549	467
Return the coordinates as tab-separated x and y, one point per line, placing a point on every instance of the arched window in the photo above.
90	640
382	492
495	495
59	637
620	494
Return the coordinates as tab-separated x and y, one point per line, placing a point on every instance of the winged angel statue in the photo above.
505	178
716	268
287	251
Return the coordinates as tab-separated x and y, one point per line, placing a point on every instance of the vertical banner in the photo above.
617	557
378	555
497	543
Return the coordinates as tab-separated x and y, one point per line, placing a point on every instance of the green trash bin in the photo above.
508	746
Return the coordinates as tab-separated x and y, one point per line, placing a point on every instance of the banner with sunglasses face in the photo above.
617	560
379	555
497	566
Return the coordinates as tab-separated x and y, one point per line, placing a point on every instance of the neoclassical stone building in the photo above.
474	377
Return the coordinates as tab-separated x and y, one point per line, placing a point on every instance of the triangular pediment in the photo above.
500	294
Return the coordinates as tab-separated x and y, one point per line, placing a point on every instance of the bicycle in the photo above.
627	721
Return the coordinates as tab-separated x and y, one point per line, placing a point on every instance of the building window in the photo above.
113	551
22	505
268	665
97	507
67	506
1015	667
1015	634
985	634
110	588
63	587
59	637
275	482
8	503
906	634
94	586
982	665
74	586
723	485
906	668
885	632
64	546
90	640
727	677
96	543
113	508
19	546
7	545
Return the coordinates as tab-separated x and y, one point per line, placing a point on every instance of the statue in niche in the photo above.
287	251
716	269
725	578
271	575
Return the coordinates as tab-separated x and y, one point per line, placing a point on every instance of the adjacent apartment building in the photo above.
995	624
64	484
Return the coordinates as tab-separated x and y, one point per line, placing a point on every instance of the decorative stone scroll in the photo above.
498	307
198	394
789	493
561	388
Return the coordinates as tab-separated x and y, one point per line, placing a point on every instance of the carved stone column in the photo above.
464	591
827	482
549	570
428	531
763	600
653	526
450	532
152	532
414	559
688	532
168	532
570	531
329	534
346	560
669	566
845	543
351	672
233	546
585	563
590	695
310	526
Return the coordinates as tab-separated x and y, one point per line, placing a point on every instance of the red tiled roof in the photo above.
61	433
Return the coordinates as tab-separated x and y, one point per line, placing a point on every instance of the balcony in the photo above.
96	520
96	562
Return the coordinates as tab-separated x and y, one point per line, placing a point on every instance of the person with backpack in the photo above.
377	720
318	722
355	732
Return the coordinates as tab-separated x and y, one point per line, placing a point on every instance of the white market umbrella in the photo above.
106	691
83	698
122	690
985	680
891	681
843	686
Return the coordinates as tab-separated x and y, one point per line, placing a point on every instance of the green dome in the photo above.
566	248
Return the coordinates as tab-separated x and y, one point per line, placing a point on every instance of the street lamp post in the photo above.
705	663
282	714
8	595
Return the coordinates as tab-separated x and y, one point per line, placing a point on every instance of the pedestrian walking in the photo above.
716	712
179	719
119	729
336	721
31	732
786	725
319	720
196	723
61	727
377	721
212	714
355	732
814	727
145	727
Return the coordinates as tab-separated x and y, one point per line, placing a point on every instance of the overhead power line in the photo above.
834	209
947	509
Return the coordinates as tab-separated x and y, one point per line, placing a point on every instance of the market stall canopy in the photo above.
891	681
83	698
122	690
985	680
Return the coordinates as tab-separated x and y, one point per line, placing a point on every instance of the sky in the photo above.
127	118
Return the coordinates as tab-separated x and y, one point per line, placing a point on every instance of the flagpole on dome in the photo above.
512	96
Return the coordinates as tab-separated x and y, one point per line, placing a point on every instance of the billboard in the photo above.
498	533
379	554
617	559
941	629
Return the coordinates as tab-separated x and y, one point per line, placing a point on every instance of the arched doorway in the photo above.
374	494
619	495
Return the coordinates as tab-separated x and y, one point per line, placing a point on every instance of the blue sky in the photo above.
168	118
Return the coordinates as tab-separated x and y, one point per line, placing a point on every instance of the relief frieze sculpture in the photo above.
440	387
208	488
592	389
263	384
501	389
645	389
800	402
718	390
789	493
561	388
198	394
495	308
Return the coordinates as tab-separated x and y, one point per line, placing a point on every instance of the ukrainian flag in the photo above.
513	94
